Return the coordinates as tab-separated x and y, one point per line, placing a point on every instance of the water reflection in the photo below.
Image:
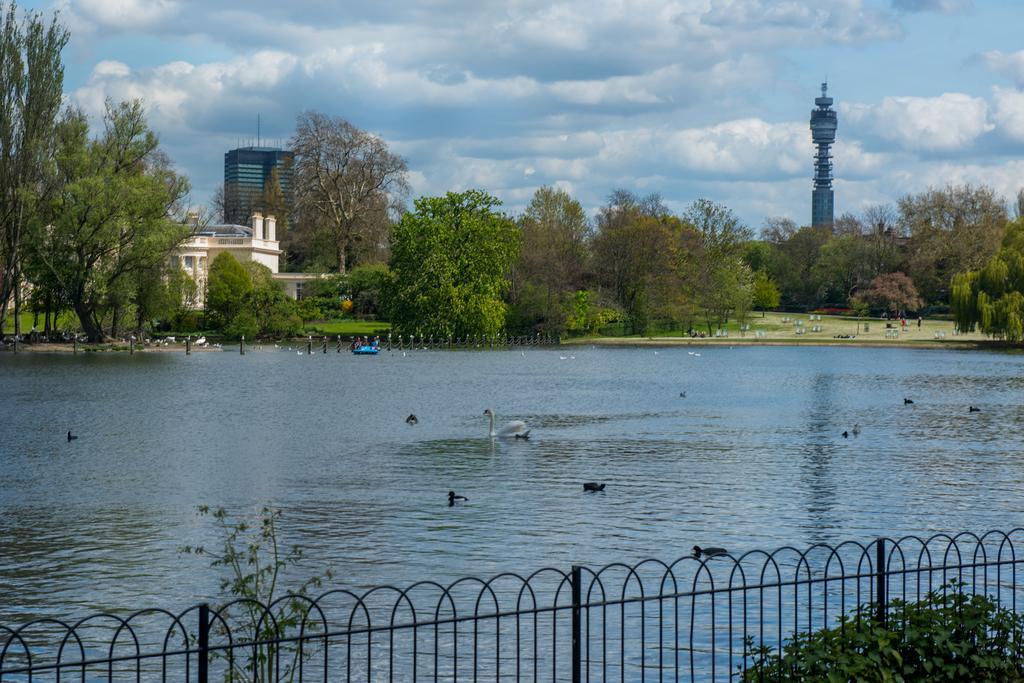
752	457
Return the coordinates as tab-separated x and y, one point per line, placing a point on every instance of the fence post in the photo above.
577	625
203	673
880	582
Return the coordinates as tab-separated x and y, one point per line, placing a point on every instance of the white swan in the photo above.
516	429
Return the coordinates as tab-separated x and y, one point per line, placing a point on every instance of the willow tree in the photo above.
31	86
991	299
108	217
346	181
450	261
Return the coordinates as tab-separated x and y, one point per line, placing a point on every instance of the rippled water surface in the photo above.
752	457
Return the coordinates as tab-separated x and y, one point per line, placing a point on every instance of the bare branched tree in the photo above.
343	175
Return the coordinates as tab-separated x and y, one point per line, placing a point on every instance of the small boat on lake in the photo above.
366	349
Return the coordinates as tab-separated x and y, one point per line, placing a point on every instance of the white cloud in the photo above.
746	147
944	6
683	97
949	122
1009	64
1009	112
126	14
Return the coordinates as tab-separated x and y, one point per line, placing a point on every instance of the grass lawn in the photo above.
66	321
781	327
348	326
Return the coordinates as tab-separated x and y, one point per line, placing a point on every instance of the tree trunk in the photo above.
17	300
92	331
115	321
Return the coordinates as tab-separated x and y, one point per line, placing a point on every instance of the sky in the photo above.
686	98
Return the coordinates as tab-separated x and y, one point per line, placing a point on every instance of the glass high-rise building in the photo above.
246	173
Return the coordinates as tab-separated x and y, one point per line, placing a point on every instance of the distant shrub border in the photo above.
831	310
947	636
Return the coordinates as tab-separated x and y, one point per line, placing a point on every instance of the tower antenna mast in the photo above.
823	133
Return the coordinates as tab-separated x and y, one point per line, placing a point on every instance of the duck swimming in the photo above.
411	420
708	552
452	498
593	486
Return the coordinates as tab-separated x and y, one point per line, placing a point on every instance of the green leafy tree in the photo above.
637	247
992	298
268	306
842	267
366	286
765	294
164	292
450	260
760	255
552	260
227	286
858	306
796	265
720	280
107	215
951	230
31	87
273	203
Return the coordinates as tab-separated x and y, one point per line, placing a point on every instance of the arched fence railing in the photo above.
690	619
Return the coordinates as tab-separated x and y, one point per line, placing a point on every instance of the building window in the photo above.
188	262
298	291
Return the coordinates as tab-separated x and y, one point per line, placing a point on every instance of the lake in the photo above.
752	457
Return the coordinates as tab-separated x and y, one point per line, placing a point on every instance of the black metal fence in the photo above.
652	621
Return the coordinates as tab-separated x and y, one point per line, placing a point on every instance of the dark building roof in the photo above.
224	230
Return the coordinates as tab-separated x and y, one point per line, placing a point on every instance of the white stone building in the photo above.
258	243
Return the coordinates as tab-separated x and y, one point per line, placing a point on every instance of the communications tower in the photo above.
823	132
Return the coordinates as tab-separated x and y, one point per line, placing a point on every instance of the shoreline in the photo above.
662	342
938	344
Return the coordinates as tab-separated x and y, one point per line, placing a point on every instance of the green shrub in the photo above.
188	321
948	636
242	325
